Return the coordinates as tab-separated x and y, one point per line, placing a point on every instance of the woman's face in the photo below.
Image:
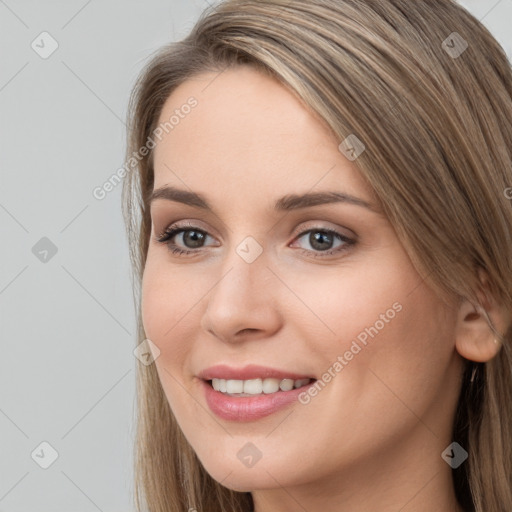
278	287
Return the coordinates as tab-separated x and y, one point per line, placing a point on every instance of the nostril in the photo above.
246	331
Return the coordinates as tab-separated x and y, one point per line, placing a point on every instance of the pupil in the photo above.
318	240
194	237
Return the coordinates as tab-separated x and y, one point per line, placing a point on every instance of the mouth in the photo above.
252	392
258	386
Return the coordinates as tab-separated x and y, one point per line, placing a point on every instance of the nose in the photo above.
243	303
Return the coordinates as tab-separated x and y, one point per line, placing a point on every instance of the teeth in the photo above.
257	386
235	386
286	385
253	386
270	386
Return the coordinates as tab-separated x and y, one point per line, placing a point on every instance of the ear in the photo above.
475	339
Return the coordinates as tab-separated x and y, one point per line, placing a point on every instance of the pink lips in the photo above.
236	408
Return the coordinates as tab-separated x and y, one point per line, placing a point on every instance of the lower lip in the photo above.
233	408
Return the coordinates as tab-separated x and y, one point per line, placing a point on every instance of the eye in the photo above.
325	242
183	239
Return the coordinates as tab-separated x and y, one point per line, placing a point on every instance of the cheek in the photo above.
345	303
405	335
166	309
380	317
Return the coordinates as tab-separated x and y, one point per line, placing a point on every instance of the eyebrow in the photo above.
286	203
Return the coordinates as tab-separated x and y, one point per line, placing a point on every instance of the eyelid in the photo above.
319	225
185	225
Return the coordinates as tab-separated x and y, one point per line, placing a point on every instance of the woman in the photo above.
320	225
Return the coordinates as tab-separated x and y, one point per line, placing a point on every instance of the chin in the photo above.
245	479
265	473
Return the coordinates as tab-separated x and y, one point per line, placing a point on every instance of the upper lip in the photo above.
252	371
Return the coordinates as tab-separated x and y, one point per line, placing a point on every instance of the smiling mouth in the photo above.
256	387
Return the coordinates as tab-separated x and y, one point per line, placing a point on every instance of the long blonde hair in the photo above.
434	110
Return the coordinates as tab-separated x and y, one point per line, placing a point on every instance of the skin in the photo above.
372	438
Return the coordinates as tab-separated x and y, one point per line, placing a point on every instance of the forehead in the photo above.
246	129
239	109
241	89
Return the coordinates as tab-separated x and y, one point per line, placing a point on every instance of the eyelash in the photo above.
174	230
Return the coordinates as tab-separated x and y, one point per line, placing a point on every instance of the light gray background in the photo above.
68	324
